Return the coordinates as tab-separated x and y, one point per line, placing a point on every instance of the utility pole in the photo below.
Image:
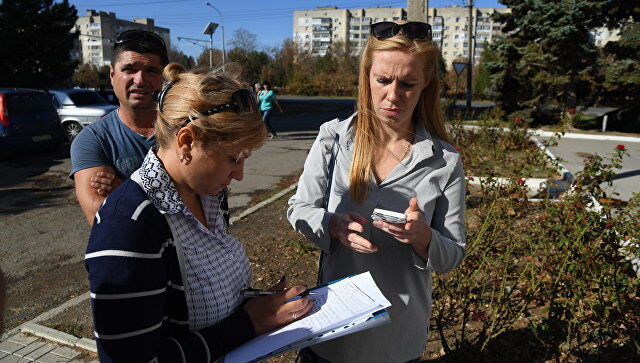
470	66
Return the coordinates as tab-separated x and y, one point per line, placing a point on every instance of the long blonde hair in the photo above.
367	123
196	91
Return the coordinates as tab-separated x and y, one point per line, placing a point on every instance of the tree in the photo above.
87	76
203	59
36	40
251	63
547	48
481	73
178	56
244	40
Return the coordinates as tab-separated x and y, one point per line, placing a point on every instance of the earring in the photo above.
186	158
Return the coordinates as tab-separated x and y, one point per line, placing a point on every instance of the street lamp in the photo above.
209	30
224	52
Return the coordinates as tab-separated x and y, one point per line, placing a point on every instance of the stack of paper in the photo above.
342	307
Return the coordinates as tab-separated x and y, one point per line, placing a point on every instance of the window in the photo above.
335	35
465	44
364	42
94	25
365	27
446	27
457	28
375	20
354	27
465	52
457	20
455	53
396	18
446	53
336	28
384	19
456	36
446	44
455	45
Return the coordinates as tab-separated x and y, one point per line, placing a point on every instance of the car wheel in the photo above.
71	130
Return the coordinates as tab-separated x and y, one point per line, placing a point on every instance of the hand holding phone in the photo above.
388	216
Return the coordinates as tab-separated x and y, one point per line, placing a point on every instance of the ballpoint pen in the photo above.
258	292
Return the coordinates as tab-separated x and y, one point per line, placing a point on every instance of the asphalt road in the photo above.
43	233
627	180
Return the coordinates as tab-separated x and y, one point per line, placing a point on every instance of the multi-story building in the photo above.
98	30
318	29
451	30
602	36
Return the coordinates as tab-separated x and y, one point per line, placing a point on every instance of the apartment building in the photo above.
98	30
317	29
451	33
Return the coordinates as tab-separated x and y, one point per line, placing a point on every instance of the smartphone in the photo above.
388	216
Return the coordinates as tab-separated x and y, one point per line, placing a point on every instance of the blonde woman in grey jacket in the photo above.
392	154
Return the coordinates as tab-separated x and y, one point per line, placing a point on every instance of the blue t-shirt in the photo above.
109	142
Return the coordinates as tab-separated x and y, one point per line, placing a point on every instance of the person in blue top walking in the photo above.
267	98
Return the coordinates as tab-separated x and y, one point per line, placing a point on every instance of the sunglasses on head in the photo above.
131	35
243	102
412	30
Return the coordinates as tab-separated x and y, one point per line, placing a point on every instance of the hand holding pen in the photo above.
279	306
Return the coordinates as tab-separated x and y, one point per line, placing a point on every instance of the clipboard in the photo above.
258	349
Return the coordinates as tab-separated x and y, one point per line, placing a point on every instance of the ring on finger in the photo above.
293	315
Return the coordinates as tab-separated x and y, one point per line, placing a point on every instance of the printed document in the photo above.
343	304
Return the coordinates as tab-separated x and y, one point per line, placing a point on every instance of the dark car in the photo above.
110	96
28	119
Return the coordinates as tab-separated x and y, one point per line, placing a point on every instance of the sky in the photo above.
271	21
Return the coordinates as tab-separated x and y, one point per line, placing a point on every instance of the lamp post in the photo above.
224	52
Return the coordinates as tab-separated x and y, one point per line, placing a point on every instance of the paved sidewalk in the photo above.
25	348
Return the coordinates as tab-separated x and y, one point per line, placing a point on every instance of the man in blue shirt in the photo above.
110	149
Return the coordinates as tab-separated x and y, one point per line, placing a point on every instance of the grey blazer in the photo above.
433	174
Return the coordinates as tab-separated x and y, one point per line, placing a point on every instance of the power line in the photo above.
140	3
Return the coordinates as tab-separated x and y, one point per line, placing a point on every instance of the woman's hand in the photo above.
104	183
343	227
415	232
270	312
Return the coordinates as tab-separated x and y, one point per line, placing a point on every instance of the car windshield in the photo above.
87	98
28	102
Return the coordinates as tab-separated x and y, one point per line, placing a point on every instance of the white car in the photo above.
78	108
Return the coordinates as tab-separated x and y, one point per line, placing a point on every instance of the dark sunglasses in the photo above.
243	102
412	30
131	35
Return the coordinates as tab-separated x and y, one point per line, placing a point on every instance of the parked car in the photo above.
28	119
78	108
110	96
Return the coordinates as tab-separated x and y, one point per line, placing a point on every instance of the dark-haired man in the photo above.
110	149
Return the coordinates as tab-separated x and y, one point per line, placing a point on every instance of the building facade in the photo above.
318	29
98	30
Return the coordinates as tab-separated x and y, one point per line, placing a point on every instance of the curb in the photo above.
568	135
32	327
59	337
264	203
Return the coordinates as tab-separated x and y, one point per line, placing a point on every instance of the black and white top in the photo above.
163	286
215	263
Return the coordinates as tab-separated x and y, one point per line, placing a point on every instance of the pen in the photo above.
258	292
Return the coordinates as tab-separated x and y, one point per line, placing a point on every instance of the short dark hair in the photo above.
266	83
141	46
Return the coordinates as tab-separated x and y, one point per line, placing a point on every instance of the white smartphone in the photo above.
388	216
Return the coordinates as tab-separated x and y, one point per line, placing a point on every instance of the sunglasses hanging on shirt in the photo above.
413	30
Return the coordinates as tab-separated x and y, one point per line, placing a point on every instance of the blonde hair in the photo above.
196	91
367	123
